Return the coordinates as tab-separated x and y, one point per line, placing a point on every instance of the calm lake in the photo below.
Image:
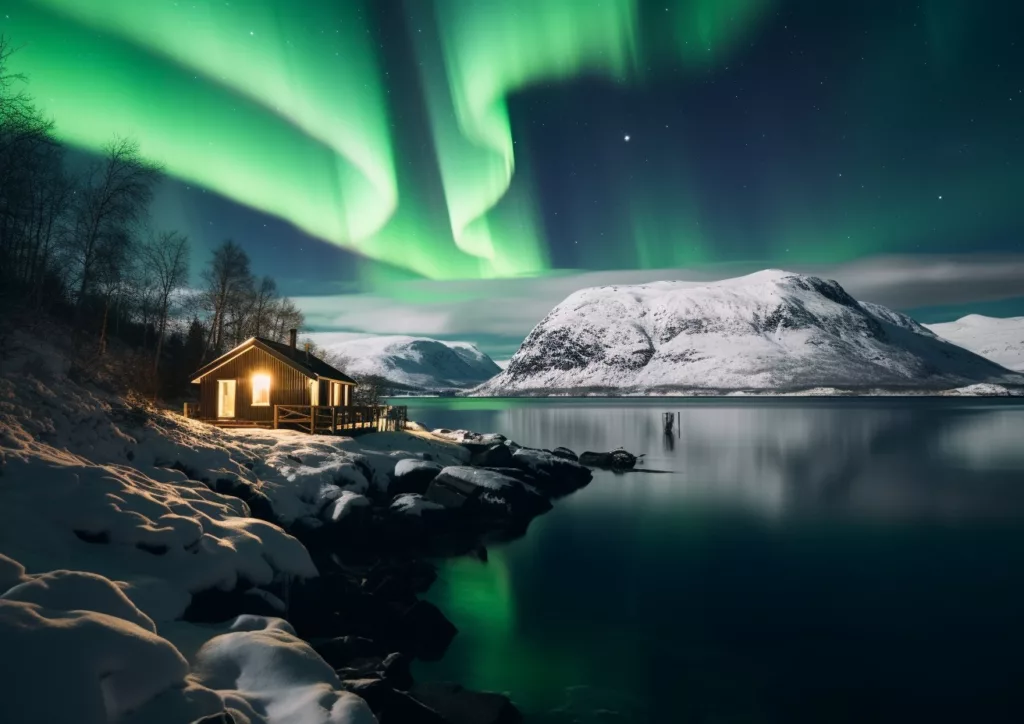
801	560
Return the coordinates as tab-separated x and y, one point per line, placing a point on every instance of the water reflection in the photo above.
806	561
905	458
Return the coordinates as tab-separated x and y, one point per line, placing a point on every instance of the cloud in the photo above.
499	313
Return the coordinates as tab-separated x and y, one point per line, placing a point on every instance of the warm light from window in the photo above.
261	389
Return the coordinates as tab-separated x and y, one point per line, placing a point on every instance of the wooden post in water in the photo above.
667	419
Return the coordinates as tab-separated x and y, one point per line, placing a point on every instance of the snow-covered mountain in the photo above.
999	339
416	363
772	330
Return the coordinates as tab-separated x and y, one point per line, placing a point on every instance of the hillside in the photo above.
415	363
769	331
999	339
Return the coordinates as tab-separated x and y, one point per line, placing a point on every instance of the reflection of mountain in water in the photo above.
920	459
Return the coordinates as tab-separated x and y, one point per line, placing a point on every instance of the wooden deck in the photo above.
318	419
330	420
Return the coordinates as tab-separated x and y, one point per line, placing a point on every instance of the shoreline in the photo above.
297	561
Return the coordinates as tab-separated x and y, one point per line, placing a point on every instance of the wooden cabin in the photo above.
249	384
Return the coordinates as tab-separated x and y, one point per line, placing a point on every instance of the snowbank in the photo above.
110	522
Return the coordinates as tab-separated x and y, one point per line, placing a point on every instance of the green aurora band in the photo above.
242	99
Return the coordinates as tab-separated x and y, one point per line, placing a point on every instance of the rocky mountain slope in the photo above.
415	363
772	330
999	339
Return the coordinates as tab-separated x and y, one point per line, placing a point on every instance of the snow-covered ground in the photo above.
769	331
106	534
999	339
415	362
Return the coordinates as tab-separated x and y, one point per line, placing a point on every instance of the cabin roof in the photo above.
310	365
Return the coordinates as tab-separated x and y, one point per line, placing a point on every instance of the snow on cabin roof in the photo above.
306	363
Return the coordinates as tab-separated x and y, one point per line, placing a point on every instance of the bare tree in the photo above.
284	316
114	198
227	279
264	298
166	257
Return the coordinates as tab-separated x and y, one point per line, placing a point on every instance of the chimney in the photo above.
293	335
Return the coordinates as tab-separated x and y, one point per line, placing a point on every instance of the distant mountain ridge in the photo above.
1000	339
412	363
772	330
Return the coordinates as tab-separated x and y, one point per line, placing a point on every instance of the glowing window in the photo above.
261	389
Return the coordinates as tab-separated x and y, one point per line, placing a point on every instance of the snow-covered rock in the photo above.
413	476
488	491
274	677
772	330
999	339
417	363
413	504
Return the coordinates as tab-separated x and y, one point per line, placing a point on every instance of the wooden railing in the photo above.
328	419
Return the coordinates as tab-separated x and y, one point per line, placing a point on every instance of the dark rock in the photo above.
495	456
554	475
426	631
396	580
565	453
486	493
340	651
156	549
397	670
391	706
223	717
315	607
413	476
615	460
461	706
101	536
215	606
259	504
393	668
190	473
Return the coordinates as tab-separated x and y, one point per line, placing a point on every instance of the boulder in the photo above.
554	475
340	651
346	505
426	633
413	504
259	504
461	706
614	460
495	456
565	453
393	668
223	717
216	606
485	492
413	476
391	706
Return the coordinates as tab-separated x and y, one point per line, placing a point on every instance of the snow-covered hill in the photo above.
772	330
412	362
999	339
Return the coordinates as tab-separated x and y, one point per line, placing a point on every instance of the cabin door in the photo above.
226	398
314	392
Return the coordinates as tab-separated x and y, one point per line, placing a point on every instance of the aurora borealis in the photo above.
352	143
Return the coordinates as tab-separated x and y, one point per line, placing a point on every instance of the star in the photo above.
940	197
626	138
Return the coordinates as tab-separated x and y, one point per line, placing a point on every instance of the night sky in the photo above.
390	149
